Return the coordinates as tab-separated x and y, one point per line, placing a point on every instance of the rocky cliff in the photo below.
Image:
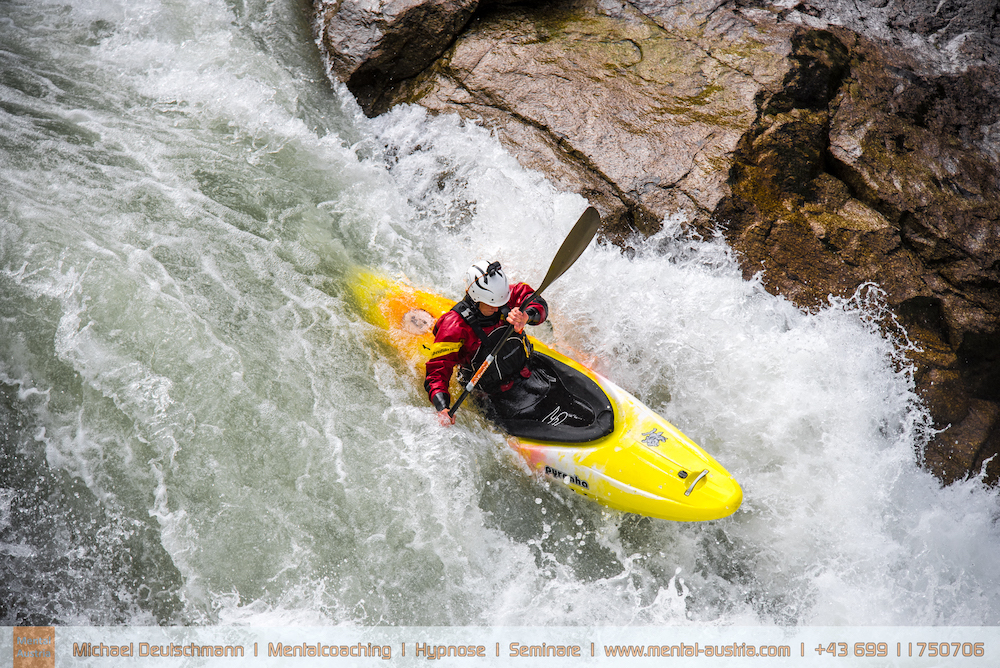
833	143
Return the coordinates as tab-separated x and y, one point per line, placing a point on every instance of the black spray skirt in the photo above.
556	403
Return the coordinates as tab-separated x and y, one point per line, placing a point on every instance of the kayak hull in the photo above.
645	465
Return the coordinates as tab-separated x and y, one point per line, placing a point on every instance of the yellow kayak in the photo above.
637	462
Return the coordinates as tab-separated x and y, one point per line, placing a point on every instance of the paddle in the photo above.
575	243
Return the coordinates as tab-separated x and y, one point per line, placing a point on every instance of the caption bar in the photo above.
48	647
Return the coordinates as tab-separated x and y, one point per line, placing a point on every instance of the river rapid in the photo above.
198	428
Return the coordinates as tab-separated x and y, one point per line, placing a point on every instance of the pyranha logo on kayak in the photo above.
565	477
653	438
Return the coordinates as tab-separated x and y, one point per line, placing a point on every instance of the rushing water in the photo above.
197	428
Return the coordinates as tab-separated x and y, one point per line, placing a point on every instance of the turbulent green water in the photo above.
198	428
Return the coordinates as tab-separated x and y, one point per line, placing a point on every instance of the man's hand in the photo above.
445	419
517	318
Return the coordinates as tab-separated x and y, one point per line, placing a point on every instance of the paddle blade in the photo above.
573	246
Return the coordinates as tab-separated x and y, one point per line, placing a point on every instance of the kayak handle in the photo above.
695	482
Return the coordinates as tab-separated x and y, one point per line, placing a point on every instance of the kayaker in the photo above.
466	334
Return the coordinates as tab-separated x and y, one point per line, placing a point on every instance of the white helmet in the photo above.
486	282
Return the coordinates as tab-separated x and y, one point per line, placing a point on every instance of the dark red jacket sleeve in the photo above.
519	292
454	344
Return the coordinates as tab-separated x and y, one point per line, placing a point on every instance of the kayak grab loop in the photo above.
695	482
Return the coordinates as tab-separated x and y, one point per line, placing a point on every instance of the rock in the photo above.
949	35
963	449
375	46
610	103
886	183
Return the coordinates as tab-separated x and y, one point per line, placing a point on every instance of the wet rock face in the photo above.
886	181
638	113
375	46
828	158
953	34
618	108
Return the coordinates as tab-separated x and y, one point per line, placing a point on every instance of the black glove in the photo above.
441	401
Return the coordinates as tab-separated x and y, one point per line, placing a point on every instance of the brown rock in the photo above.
960	451
894	191
944	393
375	47
615	106
951	35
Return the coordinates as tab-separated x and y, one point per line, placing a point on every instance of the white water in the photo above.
198	429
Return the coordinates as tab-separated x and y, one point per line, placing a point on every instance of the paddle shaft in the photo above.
572	247
467	390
